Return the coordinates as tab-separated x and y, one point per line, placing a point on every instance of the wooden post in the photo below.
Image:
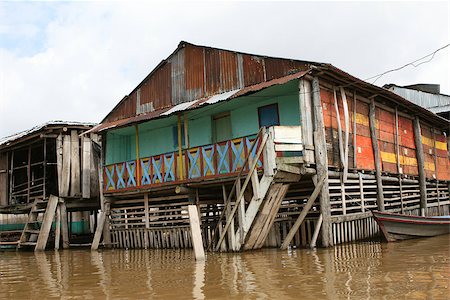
138	161
65	173
321	157
64	225
338	119
304	87
11	178
196	233
354	130
180	147
186	133
46	223
147	221
86	170
29	174
420	165
59	162
305	211
44	166
230	232
316	232
376	155
98	231
347	130
74	164
58	227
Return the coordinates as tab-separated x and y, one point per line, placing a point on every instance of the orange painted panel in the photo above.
364	153
443	168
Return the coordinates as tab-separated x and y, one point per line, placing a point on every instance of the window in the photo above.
175	136
222	127
268	115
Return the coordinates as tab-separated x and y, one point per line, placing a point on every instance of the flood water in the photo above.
415	269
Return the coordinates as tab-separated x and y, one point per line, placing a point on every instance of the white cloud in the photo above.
75	61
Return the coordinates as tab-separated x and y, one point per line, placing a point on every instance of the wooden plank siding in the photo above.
437	165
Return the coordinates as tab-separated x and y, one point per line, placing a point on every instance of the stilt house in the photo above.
273	152
49	159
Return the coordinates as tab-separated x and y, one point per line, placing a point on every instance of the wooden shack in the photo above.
272	152
48	173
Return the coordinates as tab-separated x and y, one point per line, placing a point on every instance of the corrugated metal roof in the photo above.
14	137
194	72
434	102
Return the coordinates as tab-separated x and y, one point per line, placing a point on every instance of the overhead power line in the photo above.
413	63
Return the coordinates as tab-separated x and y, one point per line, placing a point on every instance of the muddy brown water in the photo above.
415	269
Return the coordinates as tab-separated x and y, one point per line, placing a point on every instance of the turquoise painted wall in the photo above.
157	137
120	145
200	130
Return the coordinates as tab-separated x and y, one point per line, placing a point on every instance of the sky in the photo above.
75	61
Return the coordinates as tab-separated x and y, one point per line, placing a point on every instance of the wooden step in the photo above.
32	231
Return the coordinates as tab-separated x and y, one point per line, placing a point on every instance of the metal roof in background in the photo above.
7	140
435	102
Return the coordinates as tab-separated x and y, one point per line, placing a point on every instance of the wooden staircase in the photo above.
35	233
255	219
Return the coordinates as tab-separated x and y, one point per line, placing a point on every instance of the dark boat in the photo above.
402	227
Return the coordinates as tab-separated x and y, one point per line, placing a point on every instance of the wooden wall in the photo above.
392	129
3	178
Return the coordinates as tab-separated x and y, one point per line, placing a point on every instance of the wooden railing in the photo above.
208	161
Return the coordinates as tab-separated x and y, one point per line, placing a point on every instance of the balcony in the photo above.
213	161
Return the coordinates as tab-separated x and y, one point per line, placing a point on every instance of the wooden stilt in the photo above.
316	232
321	158
376	155
46	223
304	212
420	165
58	227
64	225
196	233
98	231
74	164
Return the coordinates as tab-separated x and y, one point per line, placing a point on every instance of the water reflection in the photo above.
411	269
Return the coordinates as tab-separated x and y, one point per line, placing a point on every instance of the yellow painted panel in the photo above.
388	157
441	145
408	161
429	166
362	119
427	141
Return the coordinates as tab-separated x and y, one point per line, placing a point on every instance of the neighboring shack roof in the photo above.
421	95
192	75
32	132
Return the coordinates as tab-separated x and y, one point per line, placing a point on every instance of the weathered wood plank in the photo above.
4	178
347	130
316	232
86	169
65	174
58	227
46	223
64	225
306	119
321	158
196	233
376	155
304	212
74	164
420	165
98	231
